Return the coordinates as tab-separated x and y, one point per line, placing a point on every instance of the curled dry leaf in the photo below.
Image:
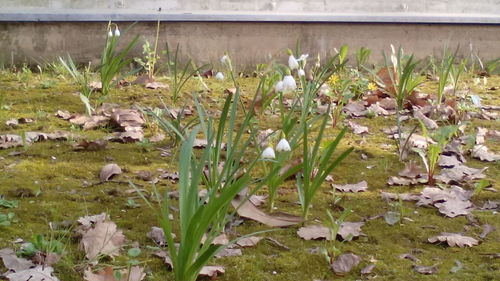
451	202
449	161
356	187
429	123
127	118
156	85
158	236
249	241
88	221
91	145
454	239
89	122
482	153
103	239
425	269
345	263
356	128
212	271
248	210
412	170
108	171
402	196
409	257
63	114
355	109
229	252
368	269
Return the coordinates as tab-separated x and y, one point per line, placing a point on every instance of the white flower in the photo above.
110	33
301	72
224	59
283	145
268	153
219	76
279	86
289	84
292	62
117	32
303	57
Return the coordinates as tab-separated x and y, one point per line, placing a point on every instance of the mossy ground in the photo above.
55	173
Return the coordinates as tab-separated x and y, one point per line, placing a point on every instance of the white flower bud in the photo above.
303	57
301	72
289	84
283	145
219	76
224	59
110	33
279	86
117	32
268	153
292	62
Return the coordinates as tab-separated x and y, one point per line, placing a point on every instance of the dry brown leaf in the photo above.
402	196
109	171
388	103
250	211
228	252
405	181
452	202
425	269
13	263
356	128
46	259
449	161
258	200
10	140
454	207
482	153
166	258
89	122
38	273
368	269
409	257
158	236
212	271
63	114
454	239
127	118
107	274
379	110
344	263
487	228
355	109
459	174
249	241
356	187
412	170
156	85
88	221
103	239
429	123
347	231
91	145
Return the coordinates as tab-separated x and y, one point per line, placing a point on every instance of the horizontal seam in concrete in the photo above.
85	15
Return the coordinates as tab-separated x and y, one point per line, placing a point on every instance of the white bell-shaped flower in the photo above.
268	153
301	72
289	83
110	33
117	32
219	76
283	145
279	86
292	62
224	59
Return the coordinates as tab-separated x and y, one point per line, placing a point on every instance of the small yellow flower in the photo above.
372	86
333	80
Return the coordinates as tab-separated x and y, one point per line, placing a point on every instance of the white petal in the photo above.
303	57
268	153
219	76
301	72
289	83
117	32
283	145
224	59
292	62
110	34
279	86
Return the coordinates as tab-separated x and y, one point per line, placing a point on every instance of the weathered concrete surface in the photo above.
303	6
248	43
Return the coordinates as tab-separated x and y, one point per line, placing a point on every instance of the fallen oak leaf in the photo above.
249	241
347	231
14	263
103	239
482	153
248	210
211	271
39	273
345	263
454	239
357	187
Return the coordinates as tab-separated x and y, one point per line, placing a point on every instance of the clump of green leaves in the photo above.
7	219
82	80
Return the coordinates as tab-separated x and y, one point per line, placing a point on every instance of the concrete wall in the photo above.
248	43
294	6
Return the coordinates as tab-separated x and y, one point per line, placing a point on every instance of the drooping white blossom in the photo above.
268	153
219	76
289	83
117	32
279	86
301	72
283	145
